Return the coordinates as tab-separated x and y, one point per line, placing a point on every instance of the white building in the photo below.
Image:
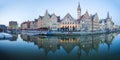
109	22
33	25
106	23
85	22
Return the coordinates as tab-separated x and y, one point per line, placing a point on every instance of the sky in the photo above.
24	10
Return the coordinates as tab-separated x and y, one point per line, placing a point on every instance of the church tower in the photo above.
108	17
78	11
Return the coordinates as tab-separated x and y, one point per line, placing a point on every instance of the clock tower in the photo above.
78	11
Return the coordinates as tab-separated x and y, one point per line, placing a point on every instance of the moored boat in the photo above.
5	35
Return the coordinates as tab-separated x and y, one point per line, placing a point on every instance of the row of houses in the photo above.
85	22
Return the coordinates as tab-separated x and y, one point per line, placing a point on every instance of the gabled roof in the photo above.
80	18
40	17
53	15
94	16
68	15
86	14
36	20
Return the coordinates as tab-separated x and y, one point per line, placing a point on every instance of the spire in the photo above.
78	10
96	14
79	6
47	14
87	12
108	15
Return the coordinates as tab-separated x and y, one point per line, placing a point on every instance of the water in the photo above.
91	47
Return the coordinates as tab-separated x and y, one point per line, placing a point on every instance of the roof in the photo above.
93	17
80	18
3	26
58	17
36	20
103	20
68	15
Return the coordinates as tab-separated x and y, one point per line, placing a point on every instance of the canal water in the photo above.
90	47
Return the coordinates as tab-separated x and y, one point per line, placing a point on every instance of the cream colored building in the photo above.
54	22
39	23
68	23
13	25
95	22
24	26
46	21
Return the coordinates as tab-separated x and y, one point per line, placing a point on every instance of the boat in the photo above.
5	35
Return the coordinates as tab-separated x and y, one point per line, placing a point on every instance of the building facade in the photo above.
39	23
46	21
54	25
13	25
109	22
68	23
106	24
25	25
83	23
95	22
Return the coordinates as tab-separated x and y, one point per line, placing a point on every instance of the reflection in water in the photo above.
90	47
15	36
80	47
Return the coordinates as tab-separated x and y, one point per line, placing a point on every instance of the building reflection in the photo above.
85	43
15	37
68	42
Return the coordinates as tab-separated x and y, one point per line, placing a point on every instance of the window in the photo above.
68	17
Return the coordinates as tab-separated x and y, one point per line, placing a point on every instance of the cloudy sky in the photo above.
24	10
